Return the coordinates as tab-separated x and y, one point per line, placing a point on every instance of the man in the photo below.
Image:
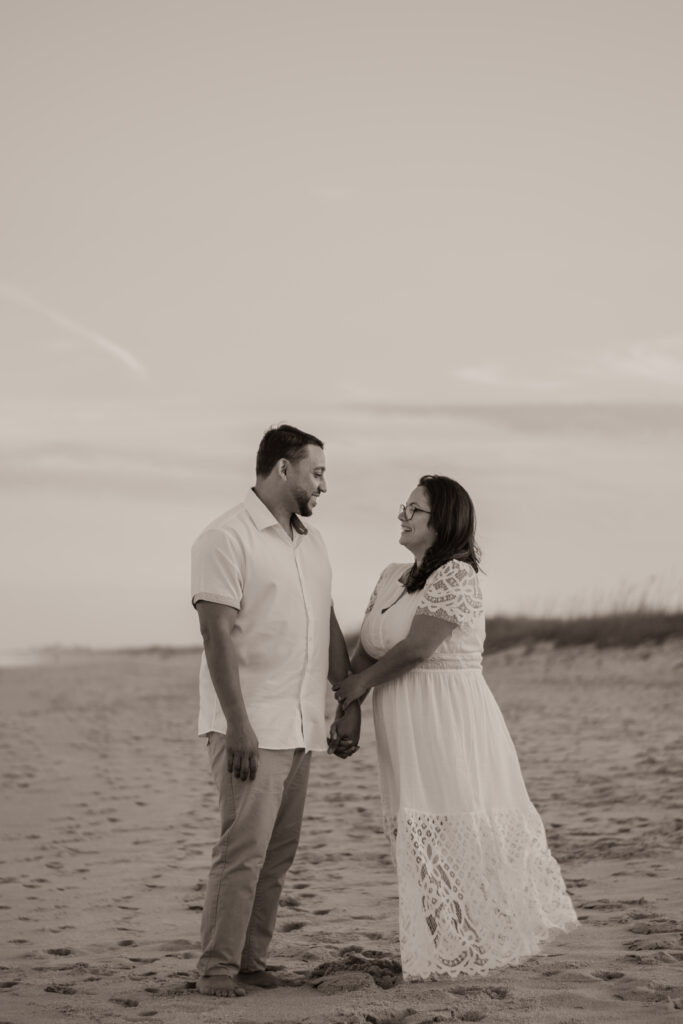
261	584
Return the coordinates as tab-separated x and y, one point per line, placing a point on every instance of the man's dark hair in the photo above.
283	442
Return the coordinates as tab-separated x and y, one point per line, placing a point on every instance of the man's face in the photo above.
306	479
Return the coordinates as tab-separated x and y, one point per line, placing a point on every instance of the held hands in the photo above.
242	750
350	689
345	732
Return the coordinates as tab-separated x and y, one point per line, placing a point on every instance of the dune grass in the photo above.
611	629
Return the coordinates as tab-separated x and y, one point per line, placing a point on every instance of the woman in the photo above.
478	886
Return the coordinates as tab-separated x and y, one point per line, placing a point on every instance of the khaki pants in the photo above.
260	827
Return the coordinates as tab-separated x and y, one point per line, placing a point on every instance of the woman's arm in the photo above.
426	634
360	659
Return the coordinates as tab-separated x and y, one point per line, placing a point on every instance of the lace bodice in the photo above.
452	593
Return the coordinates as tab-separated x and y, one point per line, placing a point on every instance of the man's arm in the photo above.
345	730
216	622
339	662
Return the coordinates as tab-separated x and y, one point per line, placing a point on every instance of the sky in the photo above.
442	236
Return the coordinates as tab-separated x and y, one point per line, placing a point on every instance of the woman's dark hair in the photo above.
283	442
452	516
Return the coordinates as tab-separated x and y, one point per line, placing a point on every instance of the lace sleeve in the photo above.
452	593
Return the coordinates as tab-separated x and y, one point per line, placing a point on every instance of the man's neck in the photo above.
276	508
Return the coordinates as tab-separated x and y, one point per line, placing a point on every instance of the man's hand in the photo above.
345	732
242	750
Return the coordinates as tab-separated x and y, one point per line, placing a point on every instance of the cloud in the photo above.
641	371
500	376
483	422
97	469
660	360
490	374
334	193
22	298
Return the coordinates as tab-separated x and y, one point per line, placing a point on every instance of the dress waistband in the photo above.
463	661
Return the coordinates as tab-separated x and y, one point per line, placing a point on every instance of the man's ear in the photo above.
282	468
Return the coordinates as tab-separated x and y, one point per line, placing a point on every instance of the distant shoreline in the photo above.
615	629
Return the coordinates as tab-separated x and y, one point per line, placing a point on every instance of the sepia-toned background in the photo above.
444	237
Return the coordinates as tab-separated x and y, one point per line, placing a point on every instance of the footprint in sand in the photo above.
657	926
292	926
633	989
176	945
661	938
602	904
664	942
384	971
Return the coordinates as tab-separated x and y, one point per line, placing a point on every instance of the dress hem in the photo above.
551	932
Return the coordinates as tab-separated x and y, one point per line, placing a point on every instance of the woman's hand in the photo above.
352	688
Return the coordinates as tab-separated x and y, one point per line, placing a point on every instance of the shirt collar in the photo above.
264	518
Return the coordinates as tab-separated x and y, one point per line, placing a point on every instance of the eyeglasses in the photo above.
408	511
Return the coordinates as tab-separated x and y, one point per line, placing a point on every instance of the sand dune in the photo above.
108	818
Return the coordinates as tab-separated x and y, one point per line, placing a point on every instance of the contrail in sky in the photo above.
22	298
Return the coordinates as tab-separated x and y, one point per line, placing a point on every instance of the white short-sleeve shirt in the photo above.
281	588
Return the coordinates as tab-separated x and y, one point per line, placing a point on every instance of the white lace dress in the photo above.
478	886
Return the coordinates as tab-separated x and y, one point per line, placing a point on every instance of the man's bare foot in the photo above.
262	979
220	985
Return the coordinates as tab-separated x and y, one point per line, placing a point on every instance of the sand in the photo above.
108	818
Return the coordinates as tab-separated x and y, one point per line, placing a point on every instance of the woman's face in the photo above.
416	533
